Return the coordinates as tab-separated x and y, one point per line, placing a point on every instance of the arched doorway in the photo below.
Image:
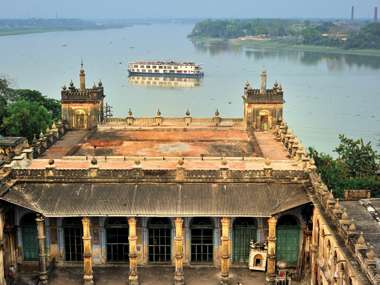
288	239
202	237
73	239
80	119
244	231
117	243
29	237
159	242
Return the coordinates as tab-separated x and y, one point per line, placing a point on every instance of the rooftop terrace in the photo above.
169	140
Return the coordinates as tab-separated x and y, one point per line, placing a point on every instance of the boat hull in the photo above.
152	74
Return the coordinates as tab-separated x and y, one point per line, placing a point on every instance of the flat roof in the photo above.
168	141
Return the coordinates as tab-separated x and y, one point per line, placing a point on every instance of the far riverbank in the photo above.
273	44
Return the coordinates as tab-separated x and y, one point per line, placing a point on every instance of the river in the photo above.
326	94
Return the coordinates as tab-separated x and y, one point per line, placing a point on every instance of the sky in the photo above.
124	9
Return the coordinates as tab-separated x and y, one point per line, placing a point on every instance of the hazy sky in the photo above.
185	8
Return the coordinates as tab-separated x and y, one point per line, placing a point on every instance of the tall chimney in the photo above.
375	17
263	83
82	78
352	13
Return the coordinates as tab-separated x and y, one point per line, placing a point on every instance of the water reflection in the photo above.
333	61
164	81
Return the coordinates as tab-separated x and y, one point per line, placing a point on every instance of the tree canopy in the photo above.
317	32
355	167
25	112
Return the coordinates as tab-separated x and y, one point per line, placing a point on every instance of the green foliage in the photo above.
52	105
228	29
320	33
361	159
355	167
25	112
367	38
26	119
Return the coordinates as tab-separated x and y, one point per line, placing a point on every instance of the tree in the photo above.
52	105
26	119
355	167
360	159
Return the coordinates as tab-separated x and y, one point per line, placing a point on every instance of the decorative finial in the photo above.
94	161
81	63
64	87
217	113
100	84
51	161
71	83
187	112
130	114
158	112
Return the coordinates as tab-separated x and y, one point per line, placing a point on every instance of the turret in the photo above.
82	108
82	78
262	106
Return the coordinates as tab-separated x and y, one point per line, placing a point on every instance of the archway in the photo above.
117	243
288	239
244	231
80	119
202	237
73	239
29	237
159	242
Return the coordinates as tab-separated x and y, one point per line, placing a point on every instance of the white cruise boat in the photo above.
165	68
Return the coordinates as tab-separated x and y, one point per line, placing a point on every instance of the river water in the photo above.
326	94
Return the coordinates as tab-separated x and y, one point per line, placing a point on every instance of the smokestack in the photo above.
375	17
352	13
263	83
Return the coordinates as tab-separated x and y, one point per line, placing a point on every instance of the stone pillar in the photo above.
225	252
87	252
2	222
271	266
178	276
133	277
40	221
314	247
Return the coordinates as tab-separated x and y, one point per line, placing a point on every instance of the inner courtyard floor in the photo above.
156	275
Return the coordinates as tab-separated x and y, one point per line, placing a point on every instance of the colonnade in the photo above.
133	278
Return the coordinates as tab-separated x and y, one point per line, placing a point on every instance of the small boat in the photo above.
165	68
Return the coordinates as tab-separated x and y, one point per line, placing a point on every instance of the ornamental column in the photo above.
178	276
225	252
87	252
314	247
2	222
133	277
40	221
271	266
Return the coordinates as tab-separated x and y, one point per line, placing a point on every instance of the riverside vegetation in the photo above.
318	34
25	112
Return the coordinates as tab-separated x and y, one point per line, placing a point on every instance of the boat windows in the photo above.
135	66
156	70
171	71
154	66
148	66
160	67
